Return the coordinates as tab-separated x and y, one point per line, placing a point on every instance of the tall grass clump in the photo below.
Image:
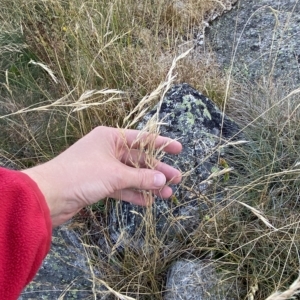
69	50
261	222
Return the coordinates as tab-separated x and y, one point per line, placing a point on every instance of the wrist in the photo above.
52	187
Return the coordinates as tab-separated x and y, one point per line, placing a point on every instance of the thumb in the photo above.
144	179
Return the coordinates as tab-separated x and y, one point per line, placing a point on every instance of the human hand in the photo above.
107	162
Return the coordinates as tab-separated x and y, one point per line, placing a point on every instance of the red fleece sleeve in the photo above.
25	231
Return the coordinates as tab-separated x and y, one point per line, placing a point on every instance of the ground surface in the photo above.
259	39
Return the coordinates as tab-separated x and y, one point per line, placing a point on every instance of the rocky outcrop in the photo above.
259	39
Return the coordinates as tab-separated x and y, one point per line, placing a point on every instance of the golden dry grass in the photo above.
65	49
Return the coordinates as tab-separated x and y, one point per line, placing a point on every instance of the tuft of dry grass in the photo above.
54	49
292	291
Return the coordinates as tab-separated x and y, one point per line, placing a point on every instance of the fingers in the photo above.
134	197
172	175
136	139
141	198
136	158
145	179
165	193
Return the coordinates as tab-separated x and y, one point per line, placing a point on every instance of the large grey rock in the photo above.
196	280
260	38
65	273
201	127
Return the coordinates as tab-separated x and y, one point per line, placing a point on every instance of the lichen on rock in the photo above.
202	128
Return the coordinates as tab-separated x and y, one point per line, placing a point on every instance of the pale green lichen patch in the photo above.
188	99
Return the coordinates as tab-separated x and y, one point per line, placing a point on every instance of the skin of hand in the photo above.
104	164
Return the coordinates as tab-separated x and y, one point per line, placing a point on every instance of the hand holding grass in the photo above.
107	162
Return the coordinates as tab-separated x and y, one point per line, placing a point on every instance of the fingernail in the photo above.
159	180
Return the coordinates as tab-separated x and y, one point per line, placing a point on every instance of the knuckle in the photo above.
143	179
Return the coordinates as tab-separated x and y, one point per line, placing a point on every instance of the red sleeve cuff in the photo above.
25	231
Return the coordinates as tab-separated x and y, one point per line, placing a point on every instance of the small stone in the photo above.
197	280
